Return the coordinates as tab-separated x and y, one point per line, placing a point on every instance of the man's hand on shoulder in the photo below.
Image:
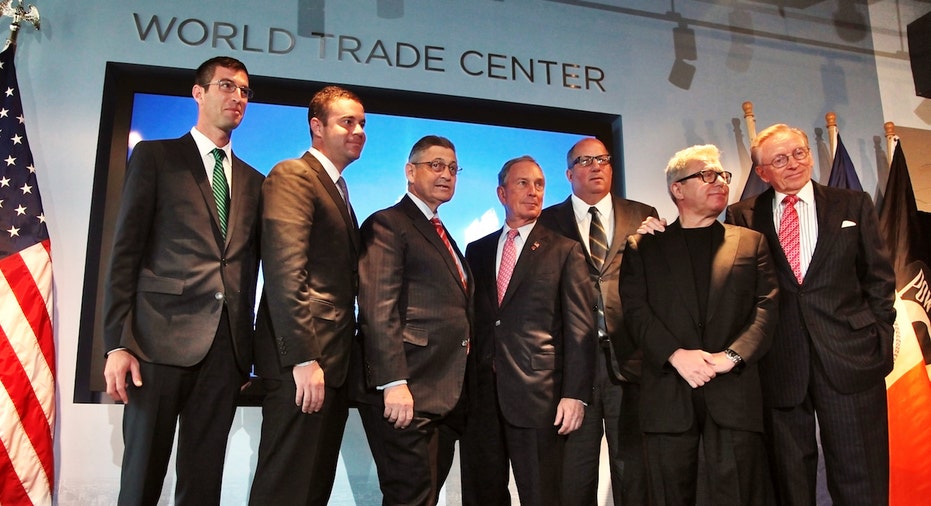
652	225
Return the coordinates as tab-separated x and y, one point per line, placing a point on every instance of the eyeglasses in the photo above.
709	176
228	86
782	160
585	161
438	166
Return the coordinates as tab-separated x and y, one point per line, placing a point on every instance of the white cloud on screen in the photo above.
482	226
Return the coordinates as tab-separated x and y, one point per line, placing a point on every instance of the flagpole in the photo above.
750	119
890	140
830	120
19	14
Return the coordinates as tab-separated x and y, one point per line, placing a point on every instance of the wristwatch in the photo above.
734	357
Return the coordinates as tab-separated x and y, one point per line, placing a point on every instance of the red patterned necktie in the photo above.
442	233
789	236
508	259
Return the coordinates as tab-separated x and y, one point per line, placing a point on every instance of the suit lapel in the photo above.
327	183
191	158
569	227
566	223
237	197
486	250
623	221
722	262
535	243
426	228
762	221
830	215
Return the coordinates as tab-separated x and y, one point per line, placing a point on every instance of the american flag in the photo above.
27	348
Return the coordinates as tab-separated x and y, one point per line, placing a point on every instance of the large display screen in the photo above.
147	103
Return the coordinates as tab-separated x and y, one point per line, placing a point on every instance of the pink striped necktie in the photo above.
789	236
508	259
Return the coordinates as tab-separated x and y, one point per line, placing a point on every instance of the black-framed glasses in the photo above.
782	160
709	176
438	166
585	161
228	86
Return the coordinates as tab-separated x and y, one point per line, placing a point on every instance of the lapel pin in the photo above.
534	246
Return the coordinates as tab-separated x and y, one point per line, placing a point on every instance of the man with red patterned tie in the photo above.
833	344
415	314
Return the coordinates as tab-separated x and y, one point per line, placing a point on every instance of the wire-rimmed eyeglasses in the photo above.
782	160
585	161
228	86
438	166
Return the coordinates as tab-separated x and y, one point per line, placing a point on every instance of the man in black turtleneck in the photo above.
700	300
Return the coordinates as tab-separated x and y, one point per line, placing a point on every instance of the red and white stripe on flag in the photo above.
27	372
27	346
908	392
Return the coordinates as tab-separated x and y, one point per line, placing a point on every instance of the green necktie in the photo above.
221	189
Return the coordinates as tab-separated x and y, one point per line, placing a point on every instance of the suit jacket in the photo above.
628	215
540	342
843	311
171	272
661	310
310	251
414	312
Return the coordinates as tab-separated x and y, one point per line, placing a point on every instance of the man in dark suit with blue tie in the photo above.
306	321
532	363
833	345
415	315
178	308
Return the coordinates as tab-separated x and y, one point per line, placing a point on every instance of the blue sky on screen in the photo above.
271	133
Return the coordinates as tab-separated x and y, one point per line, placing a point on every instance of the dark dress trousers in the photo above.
310	249
535	349
661	309
181	299
415	316
613	410
833	349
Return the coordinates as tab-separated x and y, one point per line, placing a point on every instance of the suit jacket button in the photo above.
464	343
497	323
218	296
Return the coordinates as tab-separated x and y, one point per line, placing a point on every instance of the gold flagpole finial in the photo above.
19	13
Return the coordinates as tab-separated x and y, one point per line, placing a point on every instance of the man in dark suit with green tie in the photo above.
178	308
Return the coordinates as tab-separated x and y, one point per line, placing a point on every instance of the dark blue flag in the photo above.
754	185
843	174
